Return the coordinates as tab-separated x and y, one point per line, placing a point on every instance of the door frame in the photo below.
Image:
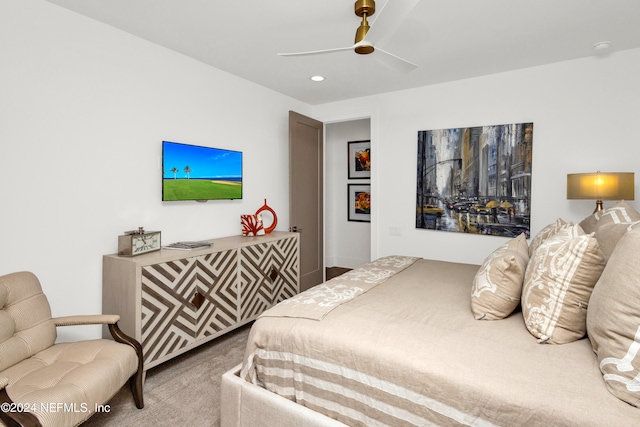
331	118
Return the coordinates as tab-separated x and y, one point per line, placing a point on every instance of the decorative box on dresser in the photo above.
174	300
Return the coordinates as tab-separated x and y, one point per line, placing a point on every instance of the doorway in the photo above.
318	209
347	243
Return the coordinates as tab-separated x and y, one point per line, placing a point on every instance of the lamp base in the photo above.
598	206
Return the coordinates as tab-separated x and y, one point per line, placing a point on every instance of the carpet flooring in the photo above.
184	391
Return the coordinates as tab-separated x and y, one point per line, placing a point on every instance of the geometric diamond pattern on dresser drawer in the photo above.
217	282
255	292
187	299
168	318
286	255
268	275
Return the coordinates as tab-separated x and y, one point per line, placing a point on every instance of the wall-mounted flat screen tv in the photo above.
193	172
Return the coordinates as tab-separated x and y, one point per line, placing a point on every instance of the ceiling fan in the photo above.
369	35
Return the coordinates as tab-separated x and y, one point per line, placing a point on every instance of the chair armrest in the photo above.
91	319
137	379
112	321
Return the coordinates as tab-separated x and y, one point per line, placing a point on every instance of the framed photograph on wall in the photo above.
359	159
359	202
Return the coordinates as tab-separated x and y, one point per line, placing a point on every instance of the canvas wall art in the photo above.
475	180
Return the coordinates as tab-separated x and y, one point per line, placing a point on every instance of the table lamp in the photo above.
600	186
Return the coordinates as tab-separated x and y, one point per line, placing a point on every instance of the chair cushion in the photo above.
25	318
81	375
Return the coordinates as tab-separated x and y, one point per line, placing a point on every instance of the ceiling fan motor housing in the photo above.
364	8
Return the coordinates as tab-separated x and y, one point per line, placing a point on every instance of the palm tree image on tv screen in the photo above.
192	172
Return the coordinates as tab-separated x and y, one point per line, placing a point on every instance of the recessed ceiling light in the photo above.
601	46
317	78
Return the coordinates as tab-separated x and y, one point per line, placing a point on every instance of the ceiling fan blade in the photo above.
388	18
317	52
395	62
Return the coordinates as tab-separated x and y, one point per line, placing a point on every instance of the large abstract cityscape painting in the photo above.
475	180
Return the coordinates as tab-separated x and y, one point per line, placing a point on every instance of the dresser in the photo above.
174	300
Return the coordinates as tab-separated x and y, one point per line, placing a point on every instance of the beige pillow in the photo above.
545	233
612	224
558	283
613	319
589	223
497	285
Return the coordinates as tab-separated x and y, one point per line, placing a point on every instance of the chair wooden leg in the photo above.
135	382
16	419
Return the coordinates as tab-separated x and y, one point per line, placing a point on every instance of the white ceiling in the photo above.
447	39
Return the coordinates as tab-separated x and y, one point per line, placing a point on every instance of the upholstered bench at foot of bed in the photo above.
59	384
247	405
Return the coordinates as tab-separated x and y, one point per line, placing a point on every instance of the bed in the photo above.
395	343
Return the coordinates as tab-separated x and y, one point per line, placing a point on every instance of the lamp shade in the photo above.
600	186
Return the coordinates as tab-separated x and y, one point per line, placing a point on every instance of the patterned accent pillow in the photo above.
612	225
558	283
613	319
547	232
497	286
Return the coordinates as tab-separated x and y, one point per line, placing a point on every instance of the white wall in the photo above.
347	243
83	111
585	114
84	107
